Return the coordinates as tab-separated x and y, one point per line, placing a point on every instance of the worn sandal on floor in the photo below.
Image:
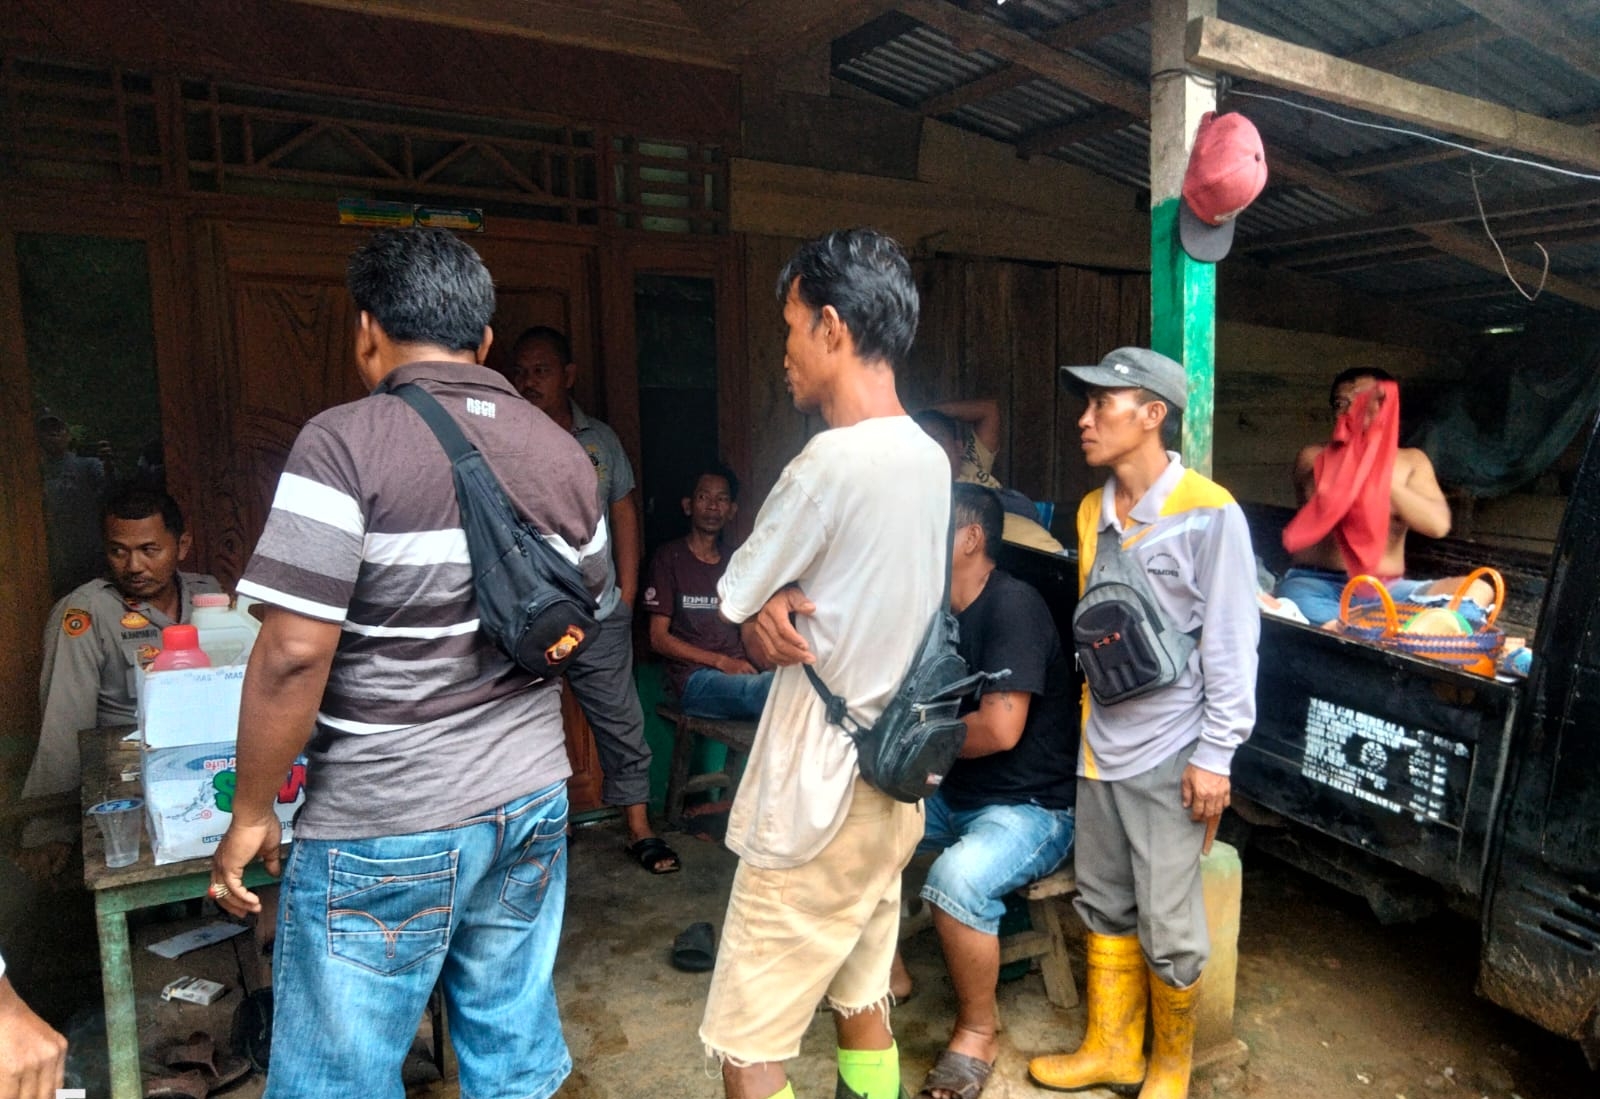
185	1085
217	1068
252	1028
695	950
959	1074
652	851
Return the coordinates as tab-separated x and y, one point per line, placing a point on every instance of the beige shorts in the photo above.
826	928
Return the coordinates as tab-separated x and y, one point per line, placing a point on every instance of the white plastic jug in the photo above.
226	634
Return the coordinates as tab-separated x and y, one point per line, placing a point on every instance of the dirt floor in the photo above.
1329	1002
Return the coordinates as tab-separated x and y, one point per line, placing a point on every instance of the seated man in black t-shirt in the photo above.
1003	816
706	662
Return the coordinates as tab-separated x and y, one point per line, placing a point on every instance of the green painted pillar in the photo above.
1183	296
1183	293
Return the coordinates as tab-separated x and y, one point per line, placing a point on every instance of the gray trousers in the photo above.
602	681
1138	867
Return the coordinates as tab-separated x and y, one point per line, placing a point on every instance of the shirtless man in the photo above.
1416	502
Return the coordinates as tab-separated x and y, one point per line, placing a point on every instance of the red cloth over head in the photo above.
1351	496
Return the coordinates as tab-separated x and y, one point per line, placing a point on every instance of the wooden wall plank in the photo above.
281	43
1228	47
651	28
781	200
777	430
986	347
935	370
22	536
1033	362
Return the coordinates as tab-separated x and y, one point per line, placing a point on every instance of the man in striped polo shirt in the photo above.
1153	768
432	840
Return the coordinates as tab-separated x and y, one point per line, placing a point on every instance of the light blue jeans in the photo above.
988	853
723	697
366	927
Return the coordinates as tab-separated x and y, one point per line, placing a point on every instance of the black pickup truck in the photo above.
1415	784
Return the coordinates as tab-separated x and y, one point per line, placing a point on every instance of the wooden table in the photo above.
106	757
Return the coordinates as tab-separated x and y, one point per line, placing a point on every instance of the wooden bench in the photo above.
737	735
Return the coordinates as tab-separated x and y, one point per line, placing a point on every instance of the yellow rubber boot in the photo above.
1172	1043
1112	1052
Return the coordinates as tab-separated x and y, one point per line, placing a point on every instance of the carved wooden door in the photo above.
281	336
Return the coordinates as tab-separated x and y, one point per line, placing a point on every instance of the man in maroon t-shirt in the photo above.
706	662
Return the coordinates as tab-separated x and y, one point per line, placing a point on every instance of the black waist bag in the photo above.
1124	645
909	750
532	602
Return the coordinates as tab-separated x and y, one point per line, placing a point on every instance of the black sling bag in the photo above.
1124	643
908	751
532	602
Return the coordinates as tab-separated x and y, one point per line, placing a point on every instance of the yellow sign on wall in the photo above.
377	214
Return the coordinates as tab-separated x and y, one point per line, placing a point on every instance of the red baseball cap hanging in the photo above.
1227	170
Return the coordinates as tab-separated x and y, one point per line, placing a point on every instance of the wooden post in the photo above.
1183	292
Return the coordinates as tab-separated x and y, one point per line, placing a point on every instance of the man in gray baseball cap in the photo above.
1132	368
1153	766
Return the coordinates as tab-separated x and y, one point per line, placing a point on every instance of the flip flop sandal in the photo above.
218	1069
185	1085
252	1028
695	950
960	1074
652	850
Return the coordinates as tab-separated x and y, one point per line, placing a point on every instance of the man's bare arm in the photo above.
283	688
627	542
982	414
1305	473
33	1057
1416	498
676	648
996	725
770	637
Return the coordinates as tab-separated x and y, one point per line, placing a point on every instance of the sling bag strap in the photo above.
456	445
1124	568
837	708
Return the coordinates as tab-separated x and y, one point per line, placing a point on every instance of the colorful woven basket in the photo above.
1383	623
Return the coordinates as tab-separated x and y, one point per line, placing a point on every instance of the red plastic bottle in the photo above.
180	648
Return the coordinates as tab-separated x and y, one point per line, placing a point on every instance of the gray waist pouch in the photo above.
1124	645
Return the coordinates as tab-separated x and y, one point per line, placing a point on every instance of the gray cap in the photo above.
1132	368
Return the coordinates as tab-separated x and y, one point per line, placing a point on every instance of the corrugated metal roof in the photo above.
1028	107
915	66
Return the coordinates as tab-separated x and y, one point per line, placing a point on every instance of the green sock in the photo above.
870	1073
786	1093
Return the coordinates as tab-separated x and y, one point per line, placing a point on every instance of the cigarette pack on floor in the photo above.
197	990
188	797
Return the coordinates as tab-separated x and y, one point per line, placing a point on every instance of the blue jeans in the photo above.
366	927
1317	593
988	853
723	697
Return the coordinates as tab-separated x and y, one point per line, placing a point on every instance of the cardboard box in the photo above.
190	706
188	798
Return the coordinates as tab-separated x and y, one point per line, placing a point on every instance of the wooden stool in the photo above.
1046	940
737	735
